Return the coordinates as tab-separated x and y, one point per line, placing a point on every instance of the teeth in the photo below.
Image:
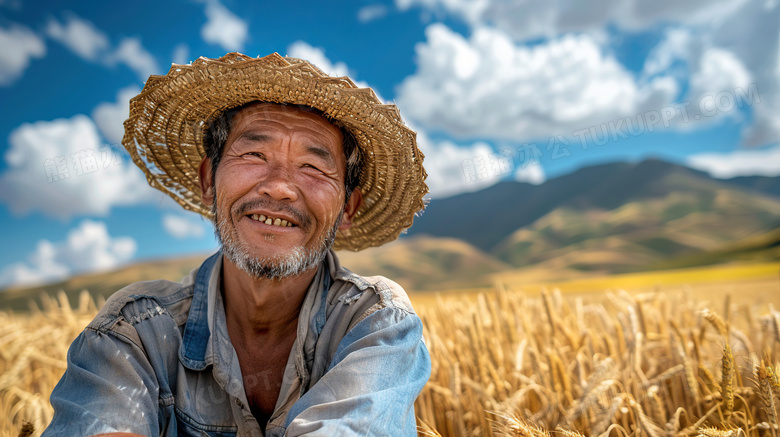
271	221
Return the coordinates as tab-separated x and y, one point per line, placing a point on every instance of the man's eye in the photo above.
312	167
256	154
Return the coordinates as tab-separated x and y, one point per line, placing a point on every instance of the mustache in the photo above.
303	220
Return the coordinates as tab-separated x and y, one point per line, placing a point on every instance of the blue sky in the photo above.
496	89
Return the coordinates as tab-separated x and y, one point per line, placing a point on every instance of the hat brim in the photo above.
165	130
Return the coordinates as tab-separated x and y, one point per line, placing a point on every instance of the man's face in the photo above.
279	193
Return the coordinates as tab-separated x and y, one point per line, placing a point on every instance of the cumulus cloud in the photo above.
131	52
183	227
80	36
525	20
223	27
92	44
711	72
62	169
369	13
20	45
757	21
87	248
708	44
453	169
719	71
110	116
316	55
181	54
743	162
487	86
532	173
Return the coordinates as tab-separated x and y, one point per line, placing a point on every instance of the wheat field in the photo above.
611	364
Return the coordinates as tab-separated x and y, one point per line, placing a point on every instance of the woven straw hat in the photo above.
165	130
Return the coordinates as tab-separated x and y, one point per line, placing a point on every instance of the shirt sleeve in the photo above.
108	386
379	368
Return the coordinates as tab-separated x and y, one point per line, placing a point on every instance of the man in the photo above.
270	336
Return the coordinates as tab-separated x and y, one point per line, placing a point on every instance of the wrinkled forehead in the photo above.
291	114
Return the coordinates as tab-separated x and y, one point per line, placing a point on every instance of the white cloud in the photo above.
110	116
489	87
223	27
19	44
181	54
369	13
470	11
638	14
452	168
532	173
131	52
80	36
730	38
719	71
93	45
525	20
753	35
183	227
677	45
316	55
713	73
742	162
87	248
62	169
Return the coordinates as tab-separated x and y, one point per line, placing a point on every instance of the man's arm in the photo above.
380	367
108	387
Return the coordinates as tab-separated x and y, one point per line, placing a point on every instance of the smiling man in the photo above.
271	335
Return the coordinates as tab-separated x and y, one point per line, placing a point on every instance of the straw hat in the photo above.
165	130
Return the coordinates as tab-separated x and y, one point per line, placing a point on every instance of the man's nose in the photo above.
278	183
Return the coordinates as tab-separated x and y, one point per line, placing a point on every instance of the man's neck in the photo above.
262	309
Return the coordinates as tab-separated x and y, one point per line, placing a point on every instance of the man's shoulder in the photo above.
146	299
385	292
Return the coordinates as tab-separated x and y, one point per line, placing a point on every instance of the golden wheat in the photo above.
619	365
509	365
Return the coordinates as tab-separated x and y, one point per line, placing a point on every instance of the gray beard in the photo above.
296	262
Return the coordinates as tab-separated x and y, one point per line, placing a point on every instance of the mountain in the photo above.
643	196
424	262
762	247
764	184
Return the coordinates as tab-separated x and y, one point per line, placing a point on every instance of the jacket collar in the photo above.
192	352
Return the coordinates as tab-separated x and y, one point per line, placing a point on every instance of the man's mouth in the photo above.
271	220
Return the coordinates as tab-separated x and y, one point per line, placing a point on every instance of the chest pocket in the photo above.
188	427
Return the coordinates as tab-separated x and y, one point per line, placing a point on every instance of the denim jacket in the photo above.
157	361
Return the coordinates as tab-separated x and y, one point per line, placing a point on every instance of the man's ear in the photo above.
355	200
206	184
